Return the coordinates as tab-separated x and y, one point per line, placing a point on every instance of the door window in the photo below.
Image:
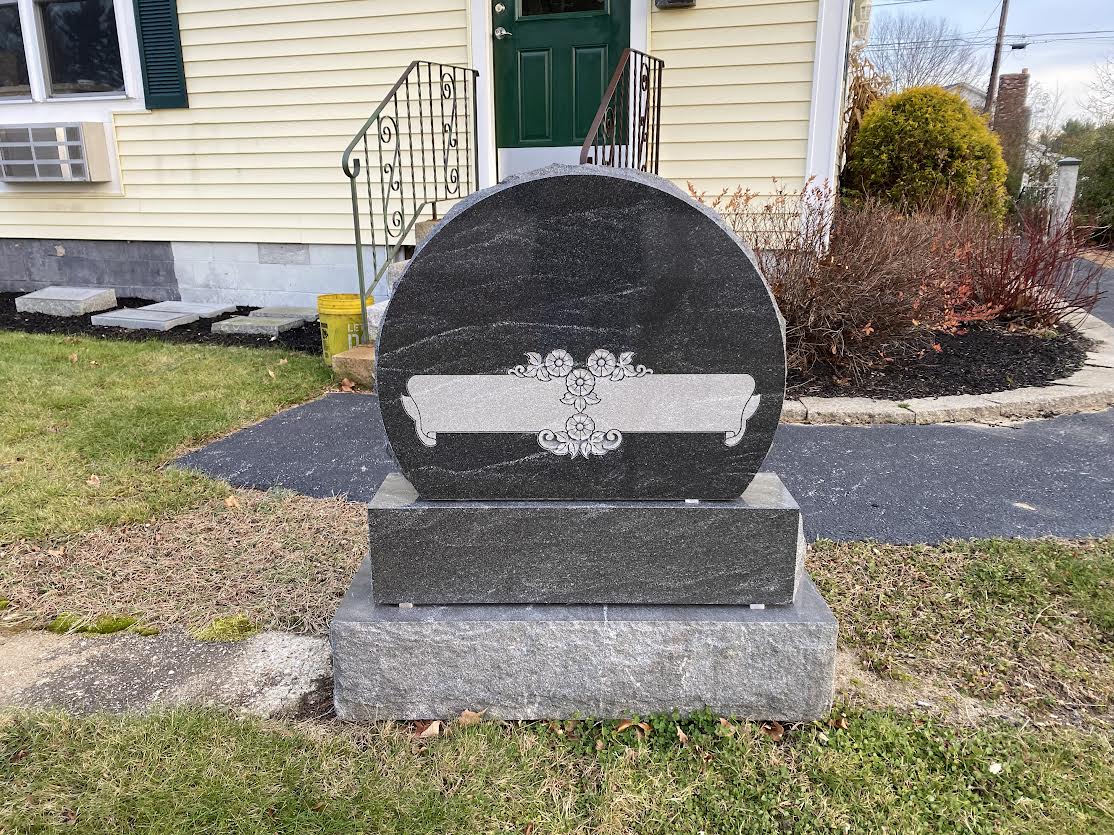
531	8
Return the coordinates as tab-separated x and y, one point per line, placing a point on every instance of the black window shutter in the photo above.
160	50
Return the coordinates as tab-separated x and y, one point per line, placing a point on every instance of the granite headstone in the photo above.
581	332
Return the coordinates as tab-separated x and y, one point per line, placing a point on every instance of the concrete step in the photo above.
67	301
258	325
140	318
205	311
394	273
423	229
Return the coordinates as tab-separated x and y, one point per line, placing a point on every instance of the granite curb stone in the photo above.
546	662
66	301
1089	389
570	552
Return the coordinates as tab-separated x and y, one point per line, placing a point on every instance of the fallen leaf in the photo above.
283	361
93	480
93	363
347	385
73	357
270	373
433	729
470	717
232	503
937	348
774	730
599	744
839	722
682	737
995	768
726	728
56	552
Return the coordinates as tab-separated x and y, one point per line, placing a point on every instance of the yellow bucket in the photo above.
341	323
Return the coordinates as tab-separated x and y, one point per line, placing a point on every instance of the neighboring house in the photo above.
969	93
194	150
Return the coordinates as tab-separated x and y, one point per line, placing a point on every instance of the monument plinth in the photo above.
580	374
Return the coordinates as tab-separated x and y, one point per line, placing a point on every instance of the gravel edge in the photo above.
1087	390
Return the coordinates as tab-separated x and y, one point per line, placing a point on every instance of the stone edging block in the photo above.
1089	389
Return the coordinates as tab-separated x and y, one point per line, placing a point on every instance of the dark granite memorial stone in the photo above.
581	333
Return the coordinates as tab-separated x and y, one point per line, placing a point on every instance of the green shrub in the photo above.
926	147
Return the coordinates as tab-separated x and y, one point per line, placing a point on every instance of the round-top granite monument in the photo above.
581	333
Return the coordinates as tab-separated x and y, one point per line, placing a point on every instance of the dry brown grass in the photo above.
1024	625
281	559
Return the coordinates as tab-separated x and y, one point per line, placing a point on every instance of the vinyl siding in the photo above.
278	87
738	84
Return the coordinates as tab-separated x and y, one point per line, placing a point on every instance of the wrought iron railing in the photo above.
626	132
417	149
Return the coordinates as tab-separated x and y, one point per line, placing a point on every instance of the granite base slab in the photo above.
750	550
541	662
258	325
61	300
139	318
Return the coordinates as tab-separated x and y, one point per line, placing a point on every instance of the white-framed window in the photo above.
61	49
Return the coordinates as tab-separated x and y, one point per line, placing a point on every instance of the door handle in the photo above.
501	33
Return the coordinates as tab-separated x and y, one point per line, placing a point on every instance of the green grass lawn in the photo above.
197	772
85	424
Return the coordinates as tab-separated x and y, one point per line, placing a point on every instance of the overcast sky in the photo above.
1064	60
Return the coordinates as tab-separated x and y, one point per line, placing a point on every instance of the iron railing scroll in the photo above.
626	132
416	150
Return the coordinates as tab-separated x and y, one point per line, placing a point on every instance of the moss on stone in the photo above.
64	623
233	628
4	603
145	630
110	624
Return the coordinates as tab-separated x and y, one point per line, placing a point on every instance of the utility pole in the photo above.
992	90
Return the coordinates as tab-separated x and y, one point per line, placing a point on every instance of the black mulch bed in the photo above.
306	339
985	359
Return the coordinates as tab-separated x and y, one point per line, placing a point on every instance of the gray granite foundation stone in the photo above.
263	325
747	551
535	662
139	318
67	301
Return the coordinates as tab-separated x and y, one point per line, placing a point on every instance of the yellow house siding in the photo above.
737	91
276	89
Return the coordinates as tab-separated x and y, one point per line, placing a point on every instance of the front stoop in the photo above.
357	364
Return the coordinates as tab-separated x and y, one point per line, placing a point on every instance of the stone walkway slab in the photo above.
270	674
203	311
264	325
139	318
306	314
67	301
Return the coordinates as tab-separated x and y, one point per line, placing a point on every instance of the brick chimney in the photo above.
1011	123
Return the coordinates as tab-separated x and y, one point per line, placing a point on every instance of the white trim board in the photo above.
825	115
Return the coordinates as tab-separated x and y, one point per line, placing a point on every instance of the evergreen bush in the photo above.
924	148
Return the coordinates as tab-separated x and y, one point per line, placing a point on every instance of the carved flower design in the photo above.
559	363
580	382
580	427
602	363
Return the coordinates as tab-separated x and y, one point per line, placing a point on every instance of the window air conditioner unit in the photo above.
68	153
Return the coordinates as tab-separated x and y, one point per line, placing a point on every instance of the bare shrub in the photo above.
858	285
1032	273
862	283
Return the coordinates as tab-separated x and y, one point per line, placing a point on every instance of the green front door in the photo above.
553	60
